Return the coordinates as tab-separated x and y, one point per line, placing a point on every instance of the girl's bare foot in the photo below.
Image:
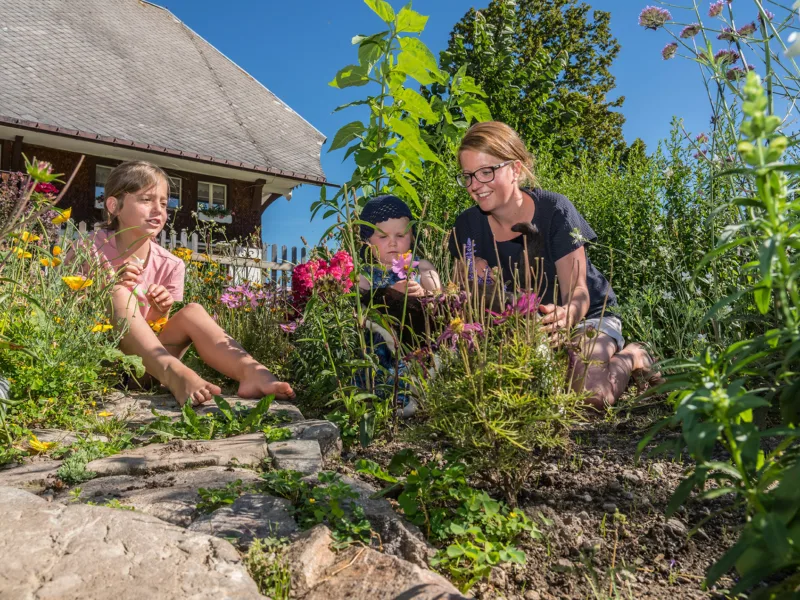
643	374
186	385
258	382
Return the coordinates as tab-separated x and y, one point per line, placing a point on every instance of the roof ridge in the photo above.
226	57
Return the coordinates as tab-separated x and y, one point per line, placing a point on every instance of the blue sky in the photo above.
295	49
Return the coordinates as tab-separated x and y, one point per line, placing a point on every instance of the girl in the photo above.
149	280
495	166
390	239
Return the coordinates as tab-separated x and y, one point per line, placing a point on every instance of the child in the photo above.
390	240
149	280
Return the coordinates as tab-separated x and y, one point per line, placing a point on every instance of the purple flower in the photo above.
404	264
736	73
669	50
728	57
289	327
690	31
653	17
469	256
716	8
458	330
748	29
701	138
770	16
526	304
727	34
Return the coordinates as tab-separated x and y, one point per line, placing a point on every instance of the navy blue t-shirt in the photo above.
557	221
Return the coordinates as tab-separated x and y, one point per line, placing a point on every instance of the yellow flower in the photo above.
157	326
37	446
311	501
512	514
55	262
105	413
27	236
63	217
22	253
101	327
45	262
58	319
414	472
56	250
77	282
457	325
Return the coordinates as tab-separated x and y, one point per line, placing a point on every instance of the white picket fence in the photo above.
262	265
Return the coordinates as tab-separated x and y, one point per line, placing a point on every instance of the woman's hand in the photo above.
555	320
160	299
415	290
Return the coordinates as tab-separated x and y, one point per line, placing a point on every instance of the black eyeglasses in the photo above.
484	174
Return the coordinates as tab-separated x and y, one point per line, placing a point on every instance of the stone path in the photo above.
56	546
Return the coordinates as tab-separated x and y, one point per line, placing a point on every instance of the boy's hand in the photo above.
415	290
160	298
128	275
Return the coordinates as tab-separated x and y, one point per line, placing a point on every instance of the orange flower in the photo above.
56	250
29	237
157	326
22	253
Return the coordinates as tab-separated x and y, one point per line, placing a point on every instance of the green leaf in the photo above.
381	8
260	410
347	134
410	191
370	51
726	563
408	502
410	21
417	61
681	494
224	408
190	417
415	105
454	551
475	109
350	76
372	468
410	133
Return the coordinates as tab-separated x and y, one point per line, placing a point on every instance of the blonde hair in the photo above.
129	178
500	140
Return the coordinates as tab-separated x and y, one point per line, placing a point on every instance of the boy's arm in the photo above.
428	277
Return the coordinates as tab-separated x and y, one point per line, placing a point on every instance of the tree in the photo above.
544	65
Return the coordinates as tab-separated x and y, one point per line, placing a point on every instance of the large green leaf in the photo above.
350	76
475	109
409	190
347	134
418	61
369	51
410	133
410	21
381	8
415	105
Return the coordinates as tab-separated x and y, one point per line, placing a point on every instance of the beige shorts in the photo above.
609	324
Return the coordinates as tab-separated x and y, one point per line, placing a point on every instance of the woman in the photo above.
575	296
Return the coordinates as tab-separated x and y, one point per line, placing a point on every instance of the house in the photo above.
118	80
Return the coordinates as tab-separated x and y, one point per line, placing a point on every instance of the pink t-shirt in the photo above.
162	268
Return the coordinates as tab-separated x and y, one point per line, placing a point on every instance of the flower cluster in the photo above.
690	31
326	277
716	8
728	34
46	188
669	50
469	257
185	254
245	296
653	17
729	57
747	29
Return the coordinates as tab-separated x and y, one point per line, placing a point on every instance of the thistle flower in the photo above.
747	29
727	34
653	17
716	8
669	50
727	56
458	330
690	31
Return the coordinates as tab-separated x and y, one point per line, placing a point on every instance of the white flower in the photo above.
667	295
668	172
577	236
794	41
684	275
702	337
660	227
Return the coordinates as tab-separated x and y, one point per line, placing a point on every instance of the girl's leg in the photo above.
604	372
140	340
193	325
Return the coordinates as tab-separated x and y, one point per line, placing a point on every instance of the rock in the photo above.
298	455
609	507
241	450
325	432
627	495
532	595
586	498
95	553
63	437
171	497
702	535
399	537
358	573
562	565
657	469
250	516
583	516
497	578
32	476
631	477
676	528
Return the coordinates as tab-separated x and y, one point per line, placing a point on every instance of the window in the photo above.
175	188
101	174
212	195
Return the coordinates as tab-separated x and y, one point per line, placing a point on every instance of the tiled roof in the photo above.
130	71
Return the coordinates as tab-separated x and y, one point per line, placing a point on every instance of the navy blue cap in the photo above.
380	209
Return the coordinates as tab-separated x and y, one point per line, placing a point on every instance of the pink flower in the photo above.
669	50
404	264
690	31
458	330
728	57
526	304
716	8
747	29
289	327
653	17
46	188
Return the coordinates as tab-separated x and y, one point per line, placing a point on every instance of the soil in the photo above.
588	552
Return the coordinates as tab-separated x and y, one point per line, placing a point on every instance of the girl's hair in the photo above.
500	140
129	178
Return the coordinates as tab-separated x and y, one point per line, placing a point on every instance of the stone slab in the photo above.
297	455
250	516
53	551
242	450
32	476
63	437
325	432
171	497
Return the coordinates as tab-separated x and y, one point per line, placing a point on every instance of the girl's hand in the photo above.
415	290
160	298
555	319
129	274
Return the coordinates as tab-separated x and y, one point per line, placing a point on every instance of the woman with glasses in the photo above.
509	218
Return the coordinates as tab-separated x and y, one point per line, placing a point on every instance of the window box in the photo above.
217	218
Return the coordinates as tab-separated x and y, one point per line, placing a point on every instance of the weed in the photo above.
266	562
